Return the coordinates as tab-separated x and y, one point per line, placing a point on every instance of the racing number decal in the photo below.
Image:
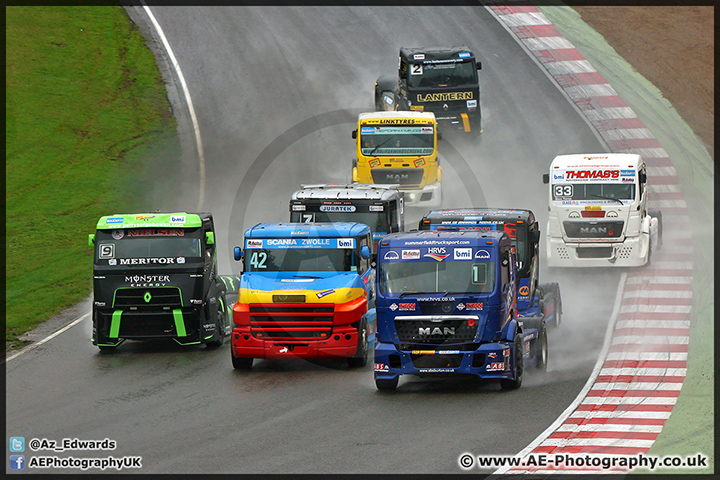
107	250
416	69
308	217
258	259
563	191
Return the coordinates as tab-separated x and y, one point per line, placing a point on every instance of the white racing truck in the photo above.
598	213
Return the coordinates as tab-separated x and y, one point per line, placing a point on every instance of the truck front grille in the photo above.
161	298
291	321
593	229
448	329
402	176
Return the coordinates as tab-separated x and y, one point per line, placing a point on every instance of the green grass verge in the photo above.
86	115
690	428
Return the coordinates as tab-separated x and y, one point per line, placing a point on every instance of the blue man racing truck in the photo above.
304	293
534	300
447	304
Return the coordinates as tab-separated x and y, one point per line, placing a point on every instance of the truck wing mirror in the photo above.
354	134
534	236
439	135
642	177
238	253
210	238
479	65
365	252
546	178
91	239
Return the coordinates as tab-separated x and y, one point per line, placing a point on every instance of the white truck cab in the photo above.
598	212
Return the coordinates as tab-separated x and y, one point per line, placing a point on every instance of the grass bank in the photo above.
88	125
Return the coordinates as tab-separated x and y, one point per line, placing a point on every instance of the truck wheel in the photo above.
512	384
361	355
219	325
386	383
241	363
541	351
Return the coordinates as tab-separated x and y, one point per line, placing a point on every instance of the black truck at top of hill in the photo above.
442	80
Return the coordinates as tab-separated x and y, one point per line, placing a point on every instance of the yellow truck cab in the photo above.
395	147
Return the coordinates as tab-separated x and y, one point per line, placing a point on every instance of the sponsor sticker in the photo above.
436	370
464	55
474	306
482	254
177	219
391	255
471	103
404	307
410	254
381	367
419	162
462	254
144	217
375	162
419	56
326	292
254	243
337	208
118	234
524	291
495	366
436	256
346	242
114	220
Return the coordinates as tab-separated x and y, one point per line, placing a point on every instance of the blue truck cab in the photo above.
304	293
447	304
534	299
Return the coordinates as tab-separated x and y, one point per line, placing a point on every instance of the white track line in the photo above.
188	100
48	338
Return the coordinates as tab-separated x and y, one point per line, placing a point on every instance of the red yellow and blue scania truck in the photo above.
304	293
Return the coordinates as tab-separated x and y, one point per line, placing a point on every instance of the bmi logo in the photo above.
462	254
345	243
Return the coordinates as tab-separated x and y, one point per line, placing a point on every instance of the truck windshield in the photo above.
300	260
594	191
410	140
452	277
171	245
377	221
439	75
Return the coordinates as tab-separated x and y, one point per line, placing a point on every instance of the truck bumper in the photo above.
465	121
342	342
429	196
633	252
187	326
488	361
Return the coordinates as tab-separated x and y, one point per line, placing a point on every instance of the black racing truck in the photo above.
156	276
441	80
378	206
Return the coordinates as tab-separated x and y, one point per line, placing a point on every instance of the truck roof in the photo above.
152	220
434	216
347	192
452	238
599	160
365	116
435	53
307	230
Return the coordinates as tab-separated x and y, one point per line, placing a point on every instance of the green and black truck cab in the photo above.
156	276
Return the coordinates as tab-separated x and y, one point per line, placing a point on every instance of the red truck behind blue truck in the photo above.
447	305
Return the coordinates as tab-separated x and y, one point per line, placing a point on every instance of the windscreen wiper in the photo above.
607	198
383	143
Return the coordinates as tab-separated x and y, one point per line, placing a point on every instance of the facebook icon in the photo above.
17	462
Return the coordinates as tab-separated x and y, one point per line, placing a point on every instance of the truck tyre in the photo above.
241	363
541	350
219	325
361	355
513	384
386	383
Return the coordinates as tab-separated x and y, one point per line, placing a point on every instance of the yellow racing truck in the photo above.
396	147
